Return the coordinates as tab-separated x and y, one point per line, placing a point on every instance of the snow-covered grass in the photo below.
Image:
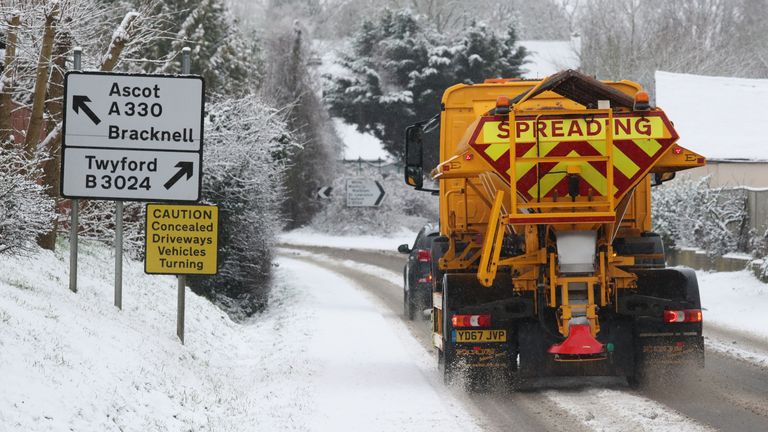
323	357
311	237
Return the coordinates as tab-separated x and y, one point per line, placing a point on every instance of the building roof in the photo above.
719	117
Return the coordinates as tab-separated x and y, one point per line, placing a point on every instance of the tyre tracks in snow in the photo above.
730	393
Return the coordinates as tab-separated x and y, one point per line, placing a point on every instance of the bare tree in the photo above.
6	77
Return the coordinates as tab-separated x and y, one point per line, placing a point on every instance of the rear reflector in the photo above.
471	320
424	255
682	316
427	279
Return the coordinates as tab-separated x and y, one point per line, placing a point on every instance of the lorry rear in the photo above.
548	262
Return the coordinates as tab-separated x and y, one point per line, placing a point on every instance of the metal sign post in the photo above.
182	282
74	207
119	254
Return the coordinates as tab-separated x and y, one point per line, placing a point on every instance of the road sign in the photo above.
132	137
362	192
181	239
324	192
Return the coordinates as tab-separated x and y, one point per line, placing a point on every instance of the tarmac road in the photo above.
729	394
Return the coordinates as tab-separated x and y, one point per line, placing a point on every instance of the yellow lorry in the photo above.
547	263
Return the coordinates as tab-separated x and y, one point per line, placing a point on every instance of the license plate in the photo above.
475	336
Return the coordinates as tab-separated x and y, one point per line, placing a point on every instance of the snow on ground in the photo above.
309	237
358	145
612	410
323	357
549	56
731	101
735	300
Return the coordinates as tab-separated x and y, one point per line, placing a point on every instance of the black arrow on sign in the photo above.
382	193
79	102
184	168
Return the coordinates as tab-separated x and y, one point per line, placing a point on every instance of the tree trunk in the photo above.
120	37
6	81
41	81
54	108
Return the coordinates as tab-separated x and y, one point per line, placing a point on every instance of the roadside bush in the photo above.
689	213
244	172
26	211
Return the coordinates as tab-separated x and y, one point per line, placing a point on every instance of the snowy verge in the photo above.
735	301
310	237
322	357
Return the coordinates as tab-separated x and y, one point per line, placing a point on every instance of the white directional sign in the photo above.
132	137
363	192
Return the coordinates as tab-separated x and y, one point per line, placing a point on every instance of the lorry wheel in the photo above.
446	363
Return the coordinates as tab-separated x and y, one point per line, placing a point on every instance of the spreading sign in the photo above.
181	239
132	137
638	141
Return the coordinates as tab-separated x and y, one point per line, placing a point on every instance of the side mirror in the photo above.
414	176
659	178
414	170
404	249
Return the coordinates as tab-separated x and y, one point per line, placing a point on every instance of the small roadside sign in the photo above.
132	137
181	239
324	192
363	192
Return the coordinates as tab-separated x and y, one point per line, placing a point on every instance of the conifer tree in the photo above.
398	68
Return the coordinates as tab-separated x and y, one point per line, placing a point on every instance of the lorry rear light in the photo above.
471	320
424	255
679	316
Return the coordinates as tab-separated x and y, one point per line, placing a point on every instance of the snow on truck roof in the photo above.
720	118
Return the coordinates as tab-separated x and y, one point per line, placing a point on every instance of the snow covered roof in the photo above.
718	117
549	56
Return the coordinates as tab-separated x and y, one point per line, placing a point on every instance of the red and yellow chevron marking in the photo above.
638	142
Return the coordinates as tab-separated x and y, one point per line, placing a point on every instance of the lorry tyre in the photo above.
446	363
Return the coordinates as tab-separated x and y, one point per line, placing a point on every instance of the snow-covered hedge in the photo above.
26	211
245	141
689	213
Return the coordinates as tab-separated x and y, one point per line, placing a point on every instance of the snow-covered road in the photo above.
729	394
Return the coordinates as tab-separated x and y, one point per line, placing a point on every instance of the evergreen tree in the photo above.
221	54
399	69
483	54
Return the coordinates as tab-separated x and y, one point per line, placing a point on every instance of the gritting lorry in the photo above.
546	263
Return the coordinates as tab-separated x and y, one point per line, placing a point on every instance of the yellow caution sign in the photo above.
181	239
